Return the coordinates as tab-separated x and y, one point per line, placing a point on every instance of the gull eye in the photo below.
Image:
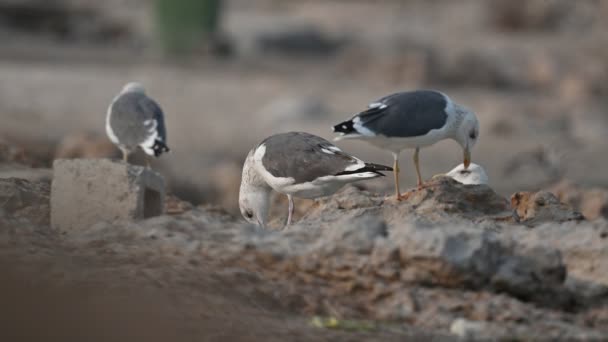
473	135
248	214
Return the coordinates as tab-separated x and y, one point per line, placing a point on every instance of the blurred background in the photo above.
228	73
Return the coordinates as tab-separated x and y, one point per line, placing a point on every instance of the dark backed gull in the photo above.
296	164
412	120
474	174
135	120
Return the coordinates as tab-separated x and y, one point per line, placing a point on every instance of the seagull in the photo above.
135	120
412	120
296	164
474	174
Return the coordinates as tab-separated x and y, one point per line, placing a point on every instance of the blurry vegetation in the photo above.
184	25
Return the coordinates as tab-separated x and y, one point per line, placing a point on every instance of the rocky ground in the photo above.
451	260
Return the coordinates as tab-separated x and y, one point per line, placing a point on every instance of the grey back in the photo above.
131	118
406	114
300	155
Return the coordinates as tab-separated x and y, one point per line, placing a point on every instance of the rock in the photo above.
592	203
467	257
522	15
22	201
583	245
12	170
350	197
175	206
10	153
358	235
85	145
88	191
534	273
536	207
450	196
458	257
444	259
440	198
468	330
589	293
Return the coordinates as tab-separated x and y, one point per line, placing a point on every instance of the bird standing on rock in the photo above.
135	120
412	120
296	164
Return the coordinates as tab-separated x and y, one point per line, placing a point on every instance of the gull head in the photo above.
254	194
474	174
467	133
133	87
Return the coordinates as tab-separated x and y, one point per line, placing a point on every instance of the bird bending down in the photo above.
135	120
296	164
412	120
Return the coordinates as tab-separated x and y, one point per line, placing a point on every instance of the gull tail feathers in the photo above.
160	147
368	168
346	127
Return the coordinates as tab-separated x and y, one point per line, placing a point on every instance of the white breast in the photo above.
109	131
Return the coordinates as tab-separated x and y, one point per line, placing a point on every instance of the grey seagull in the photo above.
296	164
412	120
135	120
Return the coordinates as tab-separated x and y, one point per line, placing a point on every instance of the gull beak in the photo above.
261	225
467	157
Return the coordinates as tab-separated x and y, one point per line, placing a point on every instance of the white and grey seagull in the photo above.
296	164
135	120
412	120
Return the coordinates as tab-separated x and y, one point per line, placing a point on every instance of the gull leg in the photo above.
125	154
290	214
147	161
420	182
396	174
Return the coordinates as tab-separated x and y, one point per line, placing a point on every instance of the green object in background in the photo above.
184	25
342	324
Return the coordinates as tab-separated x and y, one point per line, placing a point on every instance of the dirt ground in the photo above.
87	299
533	71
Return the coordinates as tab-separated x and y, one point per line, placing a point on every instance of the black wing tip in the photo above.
344	127
369	167
377	167
160	147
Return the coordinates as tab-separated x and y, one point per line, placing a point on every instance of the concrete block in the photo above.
88	191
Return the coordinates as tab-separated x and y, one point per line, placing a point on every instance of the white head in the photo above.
474	174
254	194
133	87
467	132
